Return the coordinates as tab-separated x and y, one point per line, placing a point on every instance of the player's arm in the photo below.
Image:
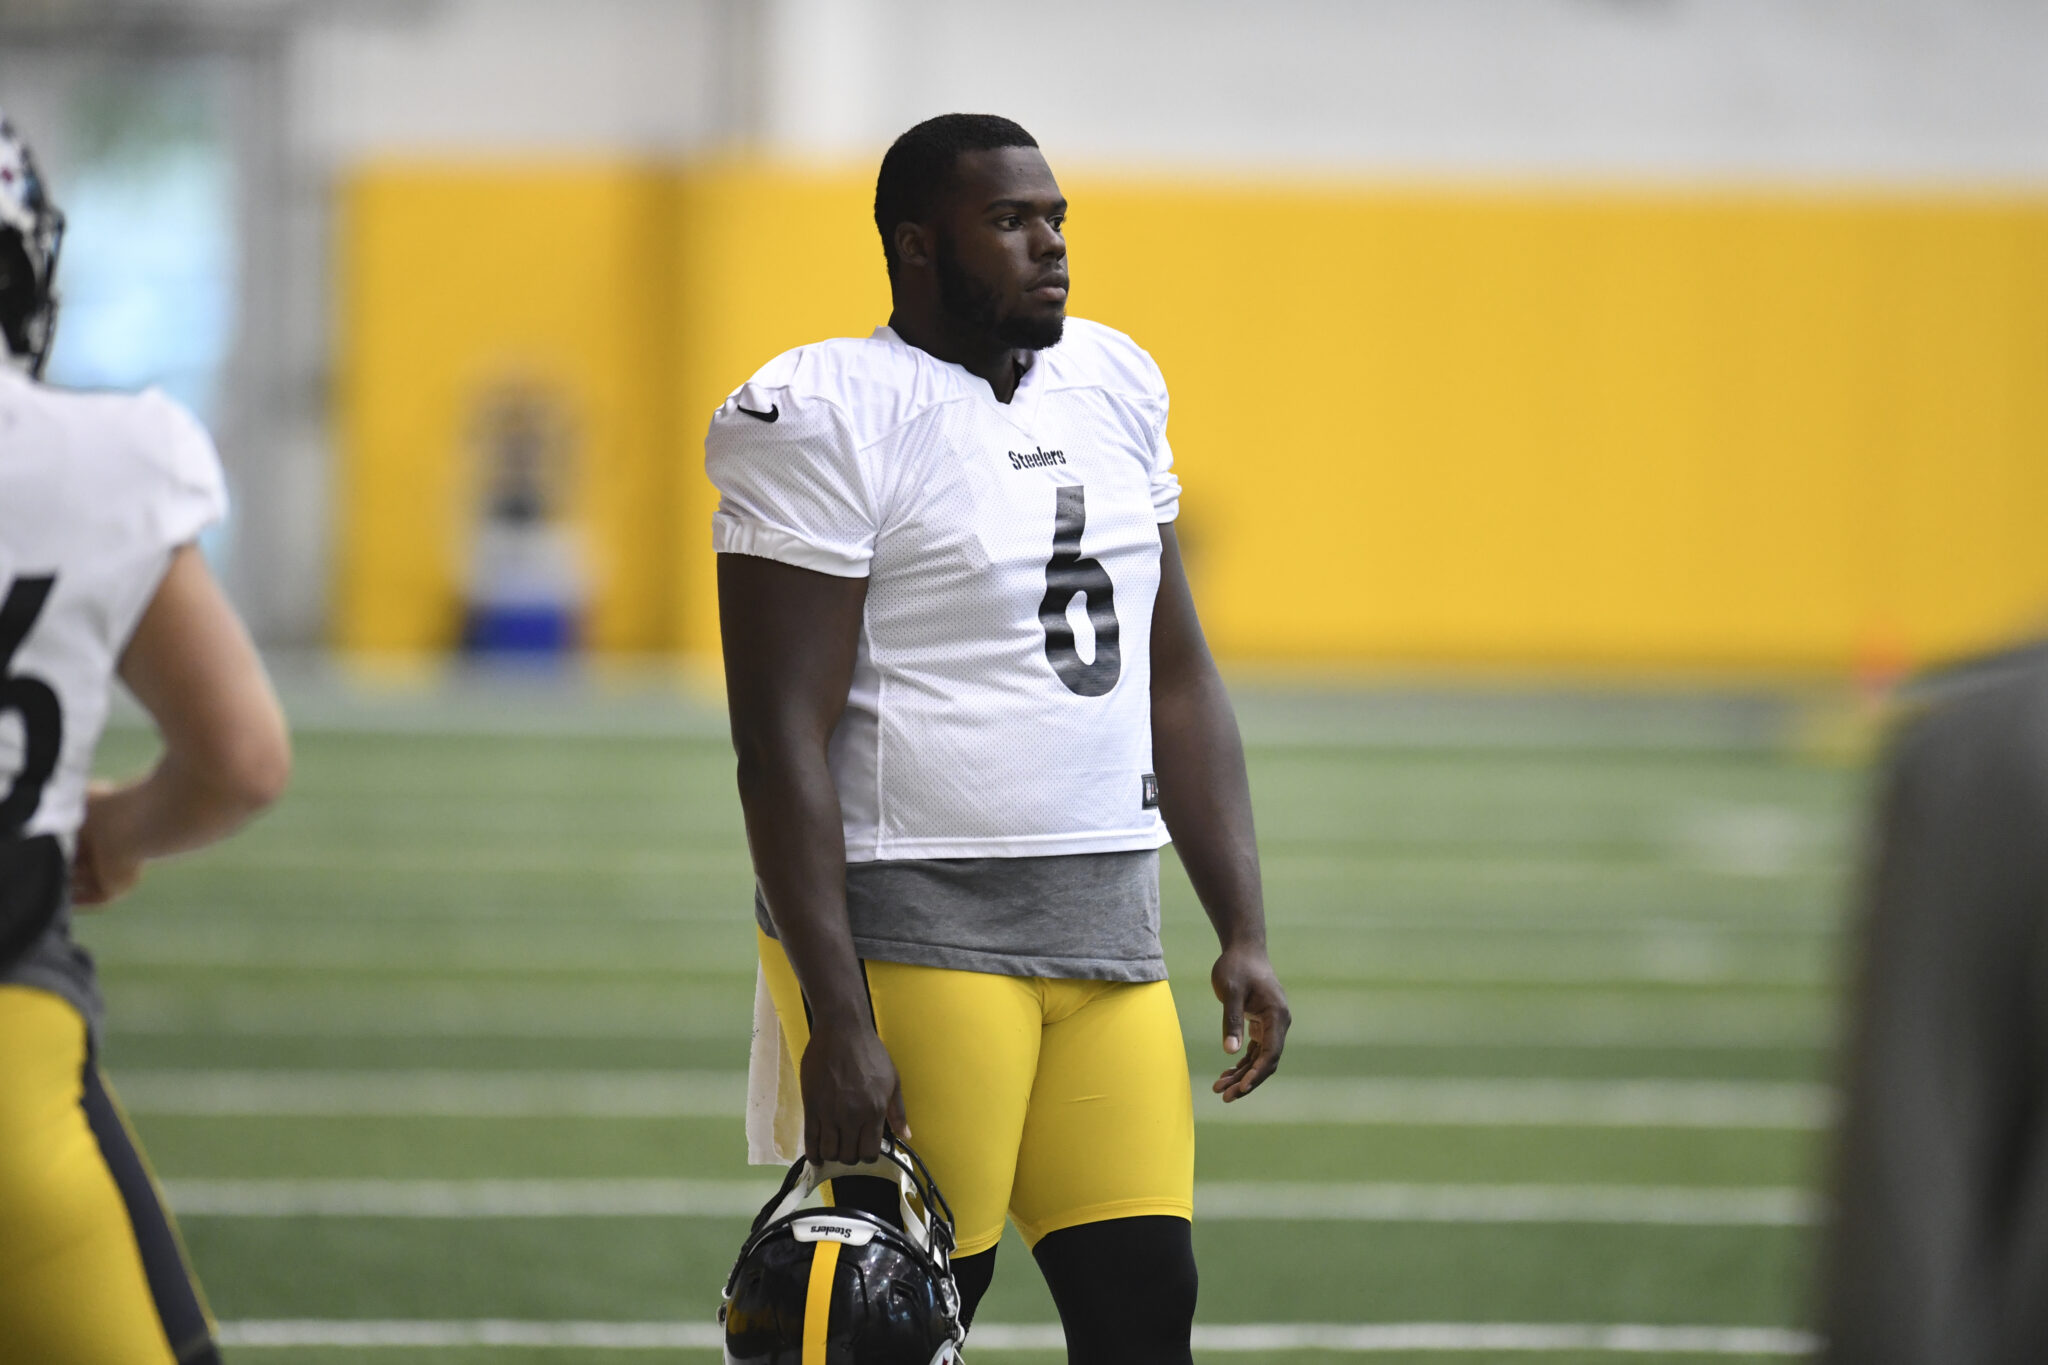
1206	799
226	751
790	636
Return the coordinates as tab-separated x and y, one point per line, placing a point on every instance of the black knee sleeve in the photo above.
1125	1289
973	1274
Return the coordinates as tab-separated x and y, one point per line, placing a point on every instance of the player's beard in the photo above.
972	302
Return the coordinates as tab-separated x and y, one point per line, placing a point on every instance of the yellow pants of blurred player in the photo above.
1060	1102
91	1271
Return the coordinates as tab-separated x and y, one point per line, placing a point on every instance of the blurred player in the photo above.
101	496
970	699
1939	1249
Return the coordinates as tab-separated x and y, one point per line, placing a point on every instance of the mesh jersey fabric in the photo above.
96	492
1000	705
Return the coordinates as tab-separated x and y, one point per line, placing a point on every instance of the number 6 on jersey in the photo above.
31	699
1067	573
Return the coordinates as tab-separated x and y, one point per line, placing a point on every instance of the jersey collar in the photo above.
1023	403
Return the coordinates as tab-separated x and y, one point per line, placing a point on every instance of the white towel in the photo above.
775	1099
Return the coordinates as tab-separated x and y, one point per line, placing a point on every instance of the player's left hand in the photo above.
1255	1018
100	872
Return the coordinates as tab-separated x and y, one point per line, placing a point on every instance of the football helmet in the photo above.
31	232
818	1283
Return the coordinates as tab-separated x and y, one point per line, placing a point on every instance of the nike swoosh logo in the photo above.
767	416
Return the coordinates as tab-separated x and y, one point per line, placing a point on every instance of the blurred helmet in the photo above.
829	1283
31	231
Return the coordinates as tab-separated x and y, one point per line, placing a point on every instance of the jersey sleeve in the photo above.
1165	483
191	493
789	485
184	494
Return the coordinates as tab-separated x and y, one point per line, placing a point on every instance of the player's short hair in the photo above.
919	166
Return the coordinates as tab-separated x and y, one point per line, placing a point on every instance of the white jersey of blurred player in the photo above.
101	497
96	492
1001	695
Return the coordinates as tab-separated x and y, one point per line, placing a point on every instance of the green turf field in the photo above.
454	1038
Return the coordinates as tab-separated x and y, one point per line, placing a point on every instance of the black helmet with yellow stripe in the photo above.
822	1283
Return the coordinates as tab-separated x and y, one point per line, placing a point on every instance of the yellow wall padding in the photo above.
766	260
1548	426
458	282
1627	429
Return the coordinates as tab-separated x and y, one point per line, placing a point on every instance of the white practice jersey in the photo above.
1001	701
96	491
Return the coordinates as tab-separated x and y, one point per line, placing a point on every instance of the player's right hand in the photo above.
851	1094
99	871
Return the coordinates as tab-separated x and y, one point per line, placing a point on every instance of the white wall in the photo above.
1915	90
513	77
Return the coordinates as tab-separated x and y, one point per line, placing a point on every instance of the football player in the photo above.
971	700
1936	1248
101	497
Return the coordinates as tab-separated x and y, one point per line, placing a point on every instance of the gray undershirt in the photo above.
57	964
1081	916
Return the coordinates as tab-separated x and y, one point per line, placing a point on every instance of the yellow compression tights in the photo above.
91	1272
1062	1102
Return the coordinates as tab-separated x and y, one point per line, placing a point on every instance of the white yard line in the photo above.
1650	1205
1691	962
383	1011
226	1019
484	956
283	1022
467	1199
1359	1338
1619	1338
299	1333
228	1013
1281	1201
1783	926
1652	1035
495	854
435	1094
1516	1102
1391	1101
491	860
1443	1017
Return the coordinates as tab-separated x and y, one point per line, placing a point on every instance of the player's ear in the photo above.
913	245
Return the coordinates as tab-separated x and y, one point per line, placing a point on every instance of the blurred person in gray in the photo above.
1938	1250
